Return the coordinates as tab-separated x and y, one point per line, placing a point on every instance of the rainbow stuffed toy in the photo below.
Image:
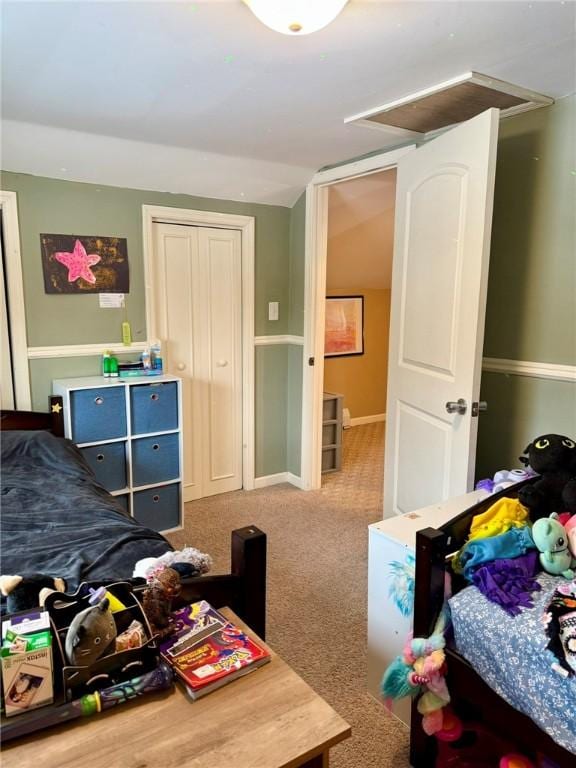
421	670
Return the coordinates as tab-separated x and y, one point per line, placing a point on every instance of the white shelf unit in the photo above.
103	414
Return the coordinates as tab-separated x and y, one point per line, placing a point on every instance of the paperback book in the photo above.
207	651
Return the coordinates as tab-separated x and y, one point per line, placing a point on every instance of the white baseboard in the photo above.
367	419
294	480
279	477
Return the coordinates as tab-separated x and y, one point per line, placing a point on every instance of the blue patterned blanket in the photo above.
510	654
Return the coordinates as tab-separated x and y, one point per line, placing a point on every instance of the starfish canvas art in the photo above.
84	264
79	263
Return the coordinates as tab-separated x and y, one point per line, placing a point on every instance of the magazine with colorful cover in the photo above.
209	651
191	624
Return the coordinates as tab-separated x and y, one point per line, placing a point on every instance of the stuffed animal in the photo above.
551	540
28	591
163	586
553	457
91	634
187	562
421	670
504	478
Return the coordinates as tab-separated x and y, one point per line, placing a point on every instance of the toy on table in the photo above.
90	635
421	670
98	594
133	637
553	457
28	590
187	562
551	540
159	679
163	586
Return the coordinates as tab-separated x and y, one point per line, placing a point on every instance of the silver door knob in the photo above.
222	363
456	407
181	366
480	407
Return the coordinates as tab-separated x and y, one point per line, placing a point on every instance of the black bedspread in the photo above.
56	520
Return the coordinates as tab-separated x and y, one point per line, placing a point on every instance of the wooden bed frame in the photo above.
243	589
471	696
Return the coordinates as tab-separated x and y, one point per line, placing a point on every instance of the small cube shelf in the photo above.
130	434
331	432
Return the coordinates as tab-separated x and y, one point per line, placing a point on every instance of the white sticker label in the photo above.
112	300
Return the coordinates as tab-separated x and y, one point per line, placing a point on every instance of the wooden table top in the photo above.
269	719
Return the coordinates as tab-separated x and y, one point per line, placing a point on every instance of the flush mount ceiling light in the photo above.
296	17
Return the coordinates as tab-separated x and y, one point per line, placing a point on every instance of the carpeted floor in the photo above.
317	588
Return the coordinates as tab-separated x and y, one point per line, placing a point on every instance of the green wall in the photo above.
64	207
271	385
531	312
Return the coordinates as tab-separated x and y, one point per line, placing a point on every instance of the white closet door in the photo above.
197	299
220	342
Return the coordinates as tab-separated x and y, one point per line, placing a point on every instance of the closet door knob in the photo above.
222	363
181	366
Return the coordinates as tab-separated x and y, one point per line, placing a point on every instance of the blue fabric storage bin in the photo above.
158	508
155	459
98	414
108	462
154	407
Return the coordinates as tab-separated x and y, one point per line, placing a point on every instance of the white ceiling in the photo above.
361	232
208	79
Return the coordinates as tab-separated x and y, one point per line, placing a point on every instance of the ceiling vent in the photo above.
449	103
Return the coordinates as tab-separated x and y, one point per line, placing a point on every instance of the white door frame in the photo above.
15	292
314	300
168	215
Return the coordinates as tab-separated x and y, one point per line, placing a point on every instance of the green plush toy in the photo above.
551	541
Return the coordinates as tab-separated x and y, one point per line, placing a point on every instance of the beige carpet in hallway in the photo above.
317	587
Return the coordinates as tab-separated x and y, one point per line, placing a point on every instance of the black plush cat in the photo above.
553	457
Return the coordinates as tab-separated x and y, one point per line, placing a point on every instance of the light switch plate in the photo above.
273	310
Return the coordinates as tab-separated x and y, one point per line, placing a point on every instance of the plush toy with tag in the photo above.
553	457
551	540
163	586
91	635
28	590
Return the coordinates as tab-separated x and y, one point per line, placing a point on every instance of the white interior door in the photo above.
444	200
198	289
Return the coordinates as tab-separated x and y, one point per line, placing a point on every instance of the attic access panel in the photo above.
450	103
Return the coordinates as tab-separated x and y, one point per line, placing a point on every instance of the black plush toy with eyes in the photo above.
553	457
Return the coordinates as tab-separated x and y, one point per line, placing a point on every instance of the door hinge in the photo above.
310	361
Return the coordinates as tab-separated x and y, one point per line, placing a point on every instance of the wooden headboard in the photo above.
52	421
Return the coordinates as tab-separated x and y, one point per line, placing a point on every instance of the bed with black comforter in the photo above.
56	519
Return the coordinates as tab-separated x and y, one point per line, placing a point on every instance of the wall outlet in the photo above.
273	310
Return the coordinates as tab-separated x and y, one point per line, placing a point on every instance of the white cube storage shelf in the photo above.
130	434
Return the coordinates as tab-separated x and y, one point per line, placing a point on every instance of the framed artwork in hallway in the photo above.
344	326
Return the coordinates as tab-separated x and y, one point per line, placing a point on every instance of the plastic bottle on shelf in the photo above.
113	367
106	365
145	357
156	355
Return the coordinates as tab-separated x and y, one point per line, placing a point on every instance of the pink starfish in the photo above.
78	263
